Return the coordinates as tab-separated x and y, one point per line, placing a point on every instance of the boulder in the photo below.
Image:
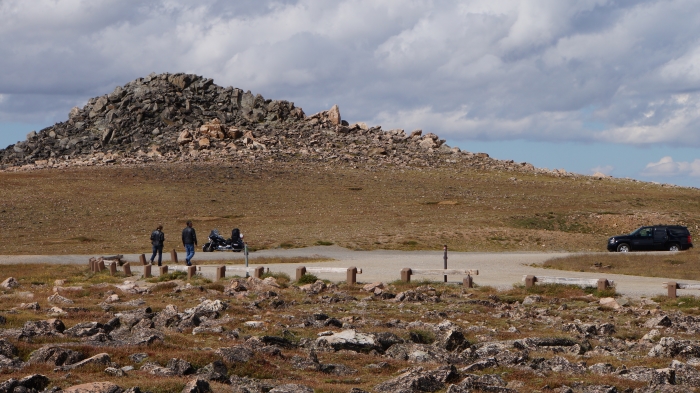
49	327
56	298
215	371
94	387
56	356
180	366
7	349
291	388
10	283
236	354
418	380
99	359
660	321
348	340
249	385
334	115
197	386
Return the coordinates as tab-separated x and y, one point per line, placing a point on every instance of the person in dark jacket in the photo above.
157	240
189	240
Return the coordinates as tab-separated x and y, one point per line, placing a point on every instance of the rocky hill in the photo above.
184	117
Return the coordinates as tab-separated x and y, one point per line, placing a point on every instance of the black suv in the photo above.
653	238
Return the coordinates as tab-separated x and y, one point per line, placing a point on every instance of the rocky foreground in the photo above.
188	118
253	335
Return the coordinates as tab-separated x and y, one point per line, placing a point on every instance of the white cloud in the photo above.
593	70
667	167
604	169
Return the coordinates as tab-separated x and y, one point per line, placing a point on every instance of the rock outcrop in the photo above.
184	117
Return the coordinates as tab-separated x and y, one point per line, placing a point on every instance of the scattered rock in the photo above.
10	283
197	386
94	387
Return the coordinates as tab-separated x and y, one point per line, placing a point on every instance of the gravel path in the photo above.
500	270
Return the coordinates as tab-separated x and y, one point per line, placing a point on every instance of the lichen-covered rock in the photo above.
10	283
236	354
102	359
7	349
291	388
197	386
215	371
56	356
249	385
348	340
419	380
47	328
180	366
94	387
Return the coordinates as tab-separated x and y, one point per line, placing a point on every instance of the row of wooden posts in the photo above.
98	265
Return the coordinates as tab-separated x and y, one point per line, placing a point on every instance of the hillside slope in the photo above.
168	148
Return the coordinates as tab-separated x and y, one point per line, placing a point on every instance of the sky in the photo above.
587	86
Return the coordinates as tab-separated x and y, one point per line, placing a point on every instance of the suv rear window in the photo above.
678	232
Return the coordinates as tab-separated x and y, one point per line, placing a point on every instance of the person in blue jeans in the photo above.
189	240
157	239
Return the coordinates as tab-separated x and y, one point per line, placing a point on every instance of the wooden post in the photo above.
191	271
259	271
127	269
352	275
113	268
467	282
91	261
301	270
530	281
147	271
220	272
173	256
163	270
100	265
142	259
406	274
671	286
602	284
445	264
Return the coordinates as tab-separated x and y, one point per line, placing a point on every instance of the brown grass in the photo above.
486	323
680	265
113	210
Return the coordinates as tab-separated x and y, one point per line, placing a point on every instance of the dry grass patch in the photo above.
679	265
114	209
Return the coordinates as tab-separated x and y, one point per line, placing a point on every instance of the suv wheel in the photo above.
674	247
624	247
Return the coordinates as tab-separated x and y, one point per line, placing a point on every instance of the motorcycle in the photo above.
218	243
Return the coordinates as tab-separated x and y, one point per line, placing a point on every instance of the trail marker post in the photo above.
444	265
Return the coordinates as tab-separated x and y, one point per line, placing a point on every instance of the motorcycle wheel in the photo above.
206	247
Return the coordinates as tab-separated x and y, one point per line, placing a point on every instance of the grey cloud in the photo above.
592	70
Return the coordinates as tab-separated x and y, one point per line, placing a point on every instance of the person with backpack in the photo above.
189	240
157	240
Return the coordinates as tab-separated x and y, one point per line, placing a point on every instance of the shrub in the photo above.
307	279
422	336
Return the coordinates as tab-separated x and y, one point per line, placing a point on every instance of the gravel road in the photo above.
500	270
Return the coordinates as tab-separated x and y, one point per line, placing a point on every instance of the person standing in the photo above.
189	240
157	240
